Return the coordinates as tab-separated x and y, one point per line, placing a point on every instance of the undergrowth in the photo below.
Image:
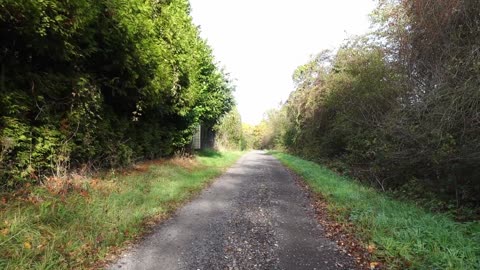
73	227
405	236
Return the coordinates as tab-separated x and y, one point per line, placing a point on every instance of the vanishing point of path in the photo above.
255	216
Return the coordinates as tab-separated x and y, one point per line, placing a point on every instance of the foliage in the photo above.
100	84
405	236
248	140
101	214
229	131
397	105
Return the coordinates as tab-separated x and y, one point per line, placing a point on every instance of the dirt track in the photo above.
253	217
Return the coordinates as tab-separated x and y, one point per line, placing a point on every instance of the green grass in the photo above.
45	230
405	236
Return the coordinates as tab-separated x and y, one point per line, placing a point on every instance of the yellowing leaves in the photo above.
5	231
27	245
374	265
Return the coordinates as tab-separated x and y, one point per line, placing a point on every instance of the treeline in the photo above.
233	134
398	108
94	84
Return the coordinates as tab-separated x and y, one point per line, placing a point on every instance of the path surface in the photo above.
255	216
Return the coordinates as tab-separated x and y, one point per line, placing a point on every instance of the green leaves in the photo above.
102	82
397	104
229	131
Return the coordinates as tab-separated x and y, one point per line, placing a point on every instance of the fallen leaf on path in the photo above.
342	233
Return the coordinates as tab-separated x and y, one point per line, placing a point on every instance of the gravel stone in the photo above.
254	216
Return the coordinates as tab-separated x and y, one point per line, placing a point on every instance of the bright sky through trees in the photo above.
261	42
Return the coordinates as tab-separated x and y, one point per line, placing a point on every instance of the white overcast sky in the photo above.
261	42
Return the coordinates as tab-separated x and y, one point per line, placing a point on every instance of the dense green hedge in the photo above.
90	83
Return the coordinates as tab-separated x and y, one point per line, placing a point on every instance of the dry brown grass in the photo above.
145	165
185	162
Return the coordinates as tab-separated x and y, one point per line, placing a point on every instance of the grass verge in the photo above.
405	236
72	227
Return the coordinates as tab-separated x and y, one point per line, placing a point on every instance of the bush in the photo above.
100	83
398	104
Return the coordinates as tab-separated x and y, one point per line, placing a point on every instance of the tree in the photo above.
229	131
101	84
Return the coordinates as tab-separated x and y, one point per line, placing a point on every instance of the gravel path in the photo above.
253	217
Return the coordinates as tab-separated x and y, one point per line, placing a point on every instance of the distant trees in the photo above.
232	134
229	131
100	83
399	107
